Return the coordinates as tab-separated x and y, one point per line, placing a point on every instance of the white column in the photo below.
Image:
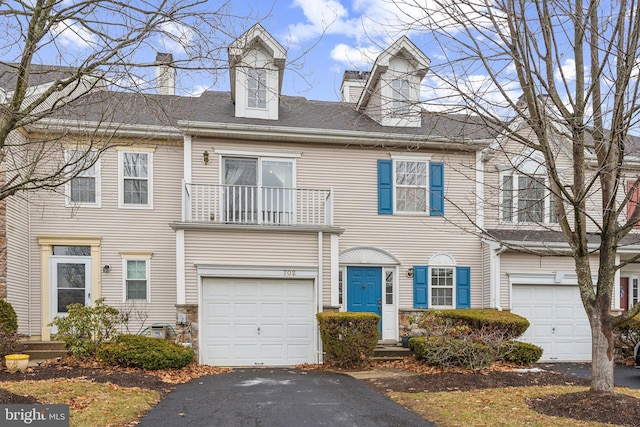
335	267
181	288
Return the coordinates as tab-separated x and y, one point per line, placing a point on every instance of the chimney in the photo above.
353	84
165	74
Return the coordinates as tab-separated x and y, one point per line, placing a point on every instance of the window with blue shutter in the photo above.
420	284
463	287
436	189
385	187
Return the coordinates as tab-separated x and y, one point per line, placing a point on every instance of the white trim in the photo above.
367	255
479	191
187	153
205	269
252	153
132	257
335	266
68	202
427	185
149	153
453	288
552	278
181	284
515	175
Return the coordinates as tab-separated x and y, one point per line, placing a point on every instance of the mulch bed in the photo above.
615	409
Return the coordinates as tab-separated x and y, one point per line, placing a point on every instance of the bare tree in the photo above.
89	46
553	75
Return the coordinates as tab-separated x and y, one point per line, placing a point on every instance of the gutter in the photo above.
331	136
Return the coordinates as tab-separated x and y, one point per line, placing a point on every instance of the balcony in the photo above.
257	205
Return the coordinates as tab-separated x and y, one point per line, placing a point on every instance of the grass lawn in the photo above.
491	407
90	403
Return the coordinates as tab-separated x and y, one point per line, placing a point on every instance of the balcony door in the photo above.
258	191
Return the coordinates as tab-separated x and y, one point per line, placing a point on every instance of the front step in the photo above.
390	352
41	350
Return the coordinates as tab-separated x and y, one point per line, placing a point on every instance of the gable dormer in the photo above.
392	93
256	66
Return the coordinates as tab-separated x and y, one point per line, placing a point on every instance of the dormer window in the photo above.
400	96
256	88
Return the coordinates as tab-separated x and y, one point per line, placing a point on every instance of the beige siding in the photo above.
120	230
513	262
250	248
352	173
486	276
19	283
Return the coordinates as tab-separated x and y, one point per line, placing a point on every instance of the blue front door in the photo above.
364	290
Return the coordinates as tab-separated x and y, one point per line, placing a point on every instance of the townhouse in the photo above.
236	216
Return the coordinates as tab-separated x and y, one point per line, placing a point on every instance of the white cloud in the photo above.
175	37
567	71
353	57
70	34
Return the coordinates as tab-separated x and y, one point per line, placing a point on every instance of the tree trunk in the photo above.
603	355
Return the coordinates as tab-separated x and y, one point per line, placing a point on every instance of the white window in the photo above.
256	88
258	190
388	287
136	278
84	186
400	97
526	198
135	179
411	185
442	287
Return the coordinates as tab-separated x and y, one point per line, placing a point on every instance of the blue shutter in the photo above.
420	282
463	287
385	187
436	188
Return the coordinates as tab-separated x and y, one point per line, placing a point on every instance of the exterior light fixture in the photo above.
205	157
410	272
106	268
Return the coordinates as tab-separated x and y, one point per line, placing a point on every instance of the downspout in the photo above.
319	297
29	276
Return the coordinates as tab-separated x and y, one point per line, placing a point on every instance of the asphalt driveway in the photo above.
623	375
278	397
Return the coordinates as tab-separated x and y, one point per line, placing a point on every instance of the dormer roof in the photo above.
250	39
401	47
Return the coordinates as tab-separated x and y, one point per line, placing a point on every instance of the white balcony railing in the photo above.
241	204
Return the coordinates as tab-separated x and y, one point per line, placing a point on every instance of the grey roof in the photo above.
525	237
38	74
295	112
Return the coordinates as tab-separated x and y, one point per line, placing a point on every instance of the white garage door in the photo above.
559	323
249	322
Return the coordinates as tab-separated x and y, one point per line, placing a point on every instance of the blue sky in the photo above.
324	38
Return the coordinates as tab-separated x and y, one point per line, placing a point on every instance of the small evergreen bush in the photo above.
348	339
8	316
521	353
510	325
85	328
449	352
137	351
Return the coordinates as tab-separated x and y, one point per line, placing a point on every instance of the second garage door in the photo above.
254	322
559	323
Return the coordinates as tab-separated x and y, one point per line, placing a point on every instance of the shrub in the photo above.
627	336
348	339
521	353
8	316
9	342
449	352
137	351
85	328
509	325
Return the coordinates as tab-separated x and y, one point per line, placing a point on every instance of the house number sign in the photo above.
289	272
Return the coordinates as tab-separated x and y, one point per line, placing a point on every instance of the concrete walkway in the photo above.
278	397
